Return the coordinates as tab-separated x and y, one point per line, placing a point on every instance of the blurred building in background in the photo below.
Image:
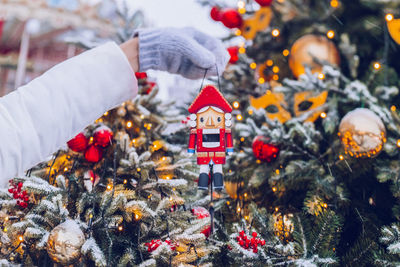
34	34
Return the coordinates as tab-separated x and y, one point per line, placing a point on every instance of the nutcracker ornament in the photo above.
210	135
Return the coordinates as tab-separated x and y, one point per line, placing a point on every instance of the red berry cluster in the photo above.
233	52
93	151
154	244
230	17
22	197
144	83
249	244
185	121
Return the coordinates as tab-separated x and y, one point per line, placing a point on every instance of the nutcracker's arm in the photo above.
192	141
229	141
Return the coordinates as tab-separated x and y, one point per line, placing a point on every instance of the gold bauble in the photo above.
362	133
312	46
65	242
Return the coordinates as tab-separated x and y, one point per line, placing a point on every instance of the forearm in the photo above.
41	116
131	51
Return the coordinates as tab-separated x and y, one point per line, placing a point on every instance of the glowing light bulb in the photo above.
120	228
253	65
125	181
341	157
398	143
105	113
137	217
236	104
239	117
323	115
261	80
138	169
276	209
285	52
393	108
274	189
275	69
277	171
334	3
321	76
275	77
275	32
129	124
389	17
20	238
330	34
238	33
377	65
109	186
270	62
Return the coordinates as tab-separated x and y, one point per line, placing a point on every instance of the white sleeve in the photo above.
40	117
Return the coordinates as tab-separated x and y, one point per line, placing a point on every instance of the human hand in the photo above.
185	51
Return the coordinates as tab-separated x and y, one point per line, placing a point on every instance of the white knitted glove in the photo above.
185	51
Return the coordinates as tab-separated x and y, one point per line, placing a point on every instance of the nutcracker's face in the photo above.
210	119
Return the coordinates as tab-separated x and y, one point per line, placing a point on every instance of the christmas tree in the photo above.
314	179
113	195
314	85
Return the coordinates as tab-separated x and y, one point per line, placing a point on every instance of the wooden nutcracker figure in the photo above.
210	135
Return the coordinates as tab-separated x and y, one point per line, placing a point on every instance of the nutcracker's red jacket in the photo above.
211	145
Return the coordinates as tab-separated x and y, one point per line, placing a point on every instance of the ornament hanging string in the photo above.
204	77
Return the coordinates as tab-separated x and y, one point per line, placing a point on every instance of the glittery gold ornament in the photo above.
394	29
274	105
283	225
65	242
256	23
308	47
362	133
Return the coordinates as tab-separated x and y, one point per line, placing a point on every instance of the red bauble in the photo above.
233	52
141	75
215	13
78	143
93	153
206	231
264	2
200	212
102	137
151	85
231	18
263	150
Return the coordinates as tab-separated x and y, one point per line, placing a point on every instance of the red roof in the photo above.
210	96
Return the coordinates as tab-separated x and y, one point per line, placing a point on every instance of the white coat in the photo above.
40	117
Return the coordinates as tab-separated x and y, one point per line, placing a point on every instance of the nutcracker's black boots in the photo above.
203	181
218	181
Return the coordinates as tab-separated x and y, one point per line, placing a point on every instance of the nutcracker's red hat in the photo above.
210	96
